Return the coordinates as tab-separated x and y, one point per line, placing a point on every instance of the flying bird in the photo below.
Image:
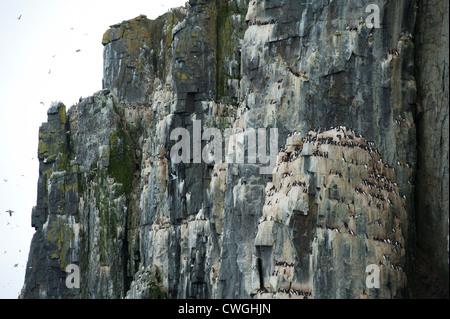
19	17
78	50
10	212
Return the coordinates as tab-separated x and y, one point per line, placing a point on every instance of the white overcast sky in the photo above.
39	63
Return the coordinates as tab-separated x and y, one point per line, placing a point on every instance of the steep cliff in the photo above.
432	178
359	113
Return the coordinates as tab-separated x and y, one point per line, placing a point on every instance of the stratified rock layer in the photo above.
341	196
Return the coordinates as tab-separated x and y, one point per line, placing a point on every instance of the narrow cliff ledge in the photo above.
355	108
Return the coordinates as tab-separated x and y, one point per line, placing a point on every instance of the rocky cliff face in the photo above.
354	106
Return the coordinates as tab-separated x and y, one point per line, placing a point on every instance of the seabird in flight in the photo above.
10	212
19	17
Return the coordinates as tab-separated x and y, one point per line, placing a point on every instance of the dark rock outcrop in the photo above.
431	204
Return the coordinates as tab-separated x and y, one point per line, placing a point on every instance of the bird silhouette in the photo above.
10	212
19	17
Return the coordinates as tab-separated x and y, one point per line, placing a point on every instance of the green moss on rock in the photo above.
59	236
122	162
